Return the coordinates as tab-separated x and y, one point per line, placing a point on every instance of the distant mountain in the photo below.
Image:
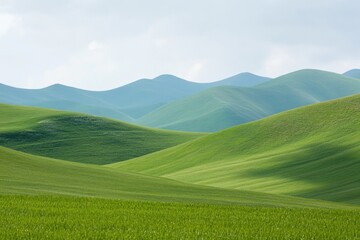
126	103
223	107
241	80
355	73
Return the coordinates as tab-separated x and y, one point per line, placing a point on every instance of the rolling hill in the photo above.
126	103
80	138
222	107
313	151
27	174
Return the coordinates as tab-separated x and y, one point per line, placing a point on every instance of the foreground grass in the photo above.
45	217
80	138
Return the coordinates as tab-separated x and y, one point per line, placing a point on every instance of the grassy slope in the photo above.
213	110
223	107
21	173
80	138
310	152
89	218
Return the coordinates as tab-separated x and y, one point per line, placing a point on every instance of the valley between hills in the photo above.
247	157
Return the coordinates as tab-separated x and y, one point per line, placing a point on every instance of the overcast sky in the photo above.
102	44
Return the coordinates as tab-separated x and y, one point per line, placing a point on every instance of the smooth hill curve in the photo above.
312	151
26	174
126	103
80	138
219	108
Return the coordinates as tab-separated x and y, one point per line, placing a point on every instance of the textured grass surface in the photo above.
310	152
84	218
22	173
80	138
219	108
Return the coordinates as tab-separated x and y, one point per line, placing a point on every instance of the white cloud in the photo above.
160	42
9	22
287	58
94	45
104	44
195	71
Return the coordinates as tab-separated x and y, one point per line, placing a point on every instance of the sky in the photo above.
103	44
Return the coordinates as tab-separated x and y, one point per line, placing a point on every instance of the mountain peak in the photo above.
56	85
168	77
245	79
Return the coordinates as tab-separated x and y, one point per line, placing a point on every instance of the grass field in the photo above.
22	173
271	179
80	138
310	152
49	217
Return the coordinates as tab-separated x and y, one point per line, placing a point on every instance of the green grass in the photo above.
310	152
49	217
21	173
223	107
80	138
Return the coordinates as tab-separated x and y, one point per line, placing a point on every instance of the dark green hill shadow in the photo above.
87	139
332	168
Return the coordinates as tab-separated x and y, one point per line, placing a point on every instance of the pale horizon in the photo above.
100	45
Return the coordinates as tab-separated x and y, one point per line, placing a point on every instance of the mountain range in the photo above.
173	103
222	107
127	103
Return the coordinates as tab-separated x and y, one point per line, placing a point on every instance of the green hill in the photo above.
223	107
126	103
312	152
82	108
26	174
80	138
74	200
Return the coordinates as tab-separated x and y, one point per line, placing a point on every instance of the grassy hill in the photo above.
355	73
27	174
126	103
218	108
80	138
58	199
312	152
